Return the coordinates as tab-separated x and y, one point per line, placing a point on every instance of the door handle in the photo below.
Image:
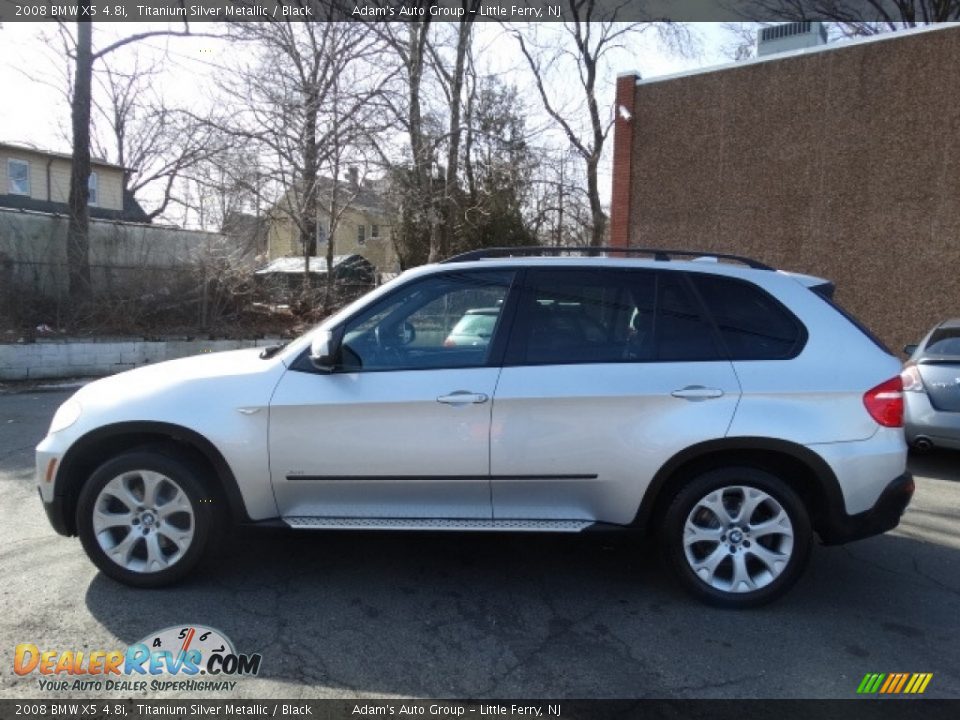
697	393
462	397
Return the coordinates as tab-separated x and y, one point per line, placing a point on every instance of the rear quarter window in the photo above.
753	324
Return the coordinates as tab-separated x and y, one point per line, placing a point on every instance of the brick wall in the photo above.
843	163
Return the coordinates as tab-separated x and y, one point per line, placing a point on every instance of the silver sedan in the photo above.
931	384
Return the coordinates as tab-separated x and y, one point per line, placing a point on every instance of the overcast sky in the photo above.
36	112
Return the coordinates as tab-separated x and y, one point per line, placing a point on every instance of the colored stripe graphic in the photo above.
923	679
894	683
891	681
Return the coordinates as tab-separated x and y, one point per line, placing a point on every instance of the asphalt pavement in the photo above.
481	616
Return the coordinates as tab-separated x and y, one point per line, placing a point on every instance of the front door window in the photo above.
441	322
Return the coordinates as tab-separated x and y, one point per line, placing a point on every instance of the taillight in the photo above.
912	382
885	402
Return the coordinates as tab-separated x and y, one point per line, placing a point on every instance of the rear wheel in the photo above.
737	537
145	518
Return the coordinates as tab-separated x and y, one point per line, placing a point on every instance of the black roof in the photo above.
132	212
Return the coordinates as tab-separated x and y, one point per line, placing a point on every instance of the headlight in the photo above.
66	415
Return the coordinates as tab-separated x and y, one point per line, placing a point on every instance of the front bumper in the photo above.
883	516
49	454
56	514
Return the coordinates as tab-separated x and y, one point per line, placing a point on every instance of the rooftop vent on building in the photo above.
790	36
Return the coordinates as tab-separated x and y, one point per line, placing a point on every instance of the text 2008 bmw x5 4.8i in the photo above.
730	409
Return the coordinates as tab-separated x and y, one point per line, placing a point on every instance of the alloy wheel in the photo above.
143	521
738	539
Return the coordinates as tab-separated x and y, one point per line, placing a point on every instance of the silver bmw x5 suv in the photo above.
728	409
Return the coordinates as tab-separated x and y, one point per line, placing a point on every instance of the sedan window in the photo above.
944	341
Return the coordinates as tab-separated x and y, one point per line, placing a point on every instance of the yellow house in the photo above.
34	179
364	227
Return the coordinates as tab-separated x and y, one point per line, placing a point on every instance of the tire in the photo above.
146	518
728	564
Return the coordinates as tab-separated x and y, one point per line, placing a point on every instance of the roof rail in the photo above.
543	250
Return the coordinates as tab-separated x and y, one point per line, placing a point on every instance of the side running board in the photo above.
344	523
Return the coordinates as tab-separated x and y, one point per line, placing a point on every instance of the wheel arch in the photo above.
93	449
804	470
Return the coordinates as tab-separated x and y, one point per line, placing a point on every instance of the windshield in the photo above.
480	325
945	341
298	345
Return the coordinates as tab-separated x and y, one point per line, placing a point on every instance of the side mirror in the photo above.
910	349
323	351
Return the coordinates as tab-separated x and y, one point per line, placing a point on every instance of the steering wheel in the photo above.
392	340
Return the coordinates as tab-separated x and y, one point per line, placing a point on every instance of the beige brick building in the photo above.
841	161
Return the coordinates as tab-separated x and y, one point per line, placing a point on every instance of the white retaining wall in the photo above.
47	359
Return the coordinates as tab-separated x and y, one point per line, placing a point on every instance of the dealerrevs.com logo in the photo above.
189	658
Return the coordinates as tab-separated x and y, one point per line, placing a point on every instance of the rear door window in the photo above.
682	334
752	324
576	316
605	316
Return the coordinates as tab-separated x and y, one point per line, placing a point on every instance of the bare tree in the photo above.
224	184
453	81
409	43
131	123
305	105
559	212
497	160
741	43
134	126
78	227
591	34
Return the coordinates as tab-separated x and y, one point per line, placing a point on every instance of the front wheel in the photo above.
737	537
146	519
